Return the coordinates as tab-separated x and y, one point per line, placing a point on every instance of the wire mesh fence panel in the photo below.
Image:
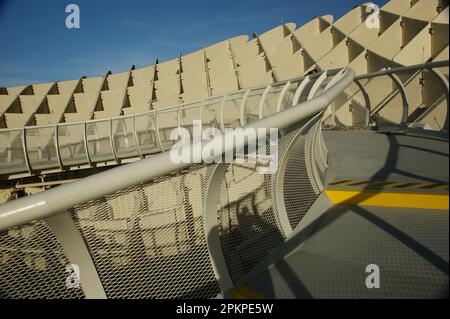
299	189
33	264
148	241
249	229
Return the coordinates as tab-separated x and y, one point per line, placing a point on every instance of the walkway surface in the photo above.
385	204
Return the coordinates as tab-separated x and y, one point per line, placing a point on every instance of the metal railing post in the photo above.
58	152
401	88
212	234
55	200
88	157
445	85
366	101
136	139
25	150
68	235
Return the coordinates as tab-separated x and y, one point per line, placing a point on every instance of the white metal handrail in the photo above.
24	153
393	74
59	199
18	139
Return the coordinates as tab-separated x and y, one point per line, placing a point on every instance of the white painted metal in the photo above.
61	198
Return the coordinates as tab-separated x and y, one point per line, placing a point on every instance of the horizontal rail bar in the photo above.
171	107
11	168
430	65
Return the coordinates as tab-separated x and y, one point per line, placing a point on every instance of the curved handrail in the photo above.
176	106
17	165
392	74
405	102
56	200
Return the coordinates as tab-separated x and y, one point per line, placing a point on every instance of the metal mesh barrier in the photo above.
320	153
148	241
248	227
300	189
33	264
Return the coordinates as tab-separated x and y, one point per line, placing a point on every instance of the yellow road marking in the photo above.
395	184
441	187
343	182
245	292
419	185
388	199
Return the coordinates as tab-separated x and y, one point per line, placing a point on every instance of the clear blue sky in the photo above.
37	47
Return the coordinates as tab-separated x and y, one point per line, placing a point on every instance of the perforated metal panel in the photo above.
249	229
320	153
148	241
33	264
299	187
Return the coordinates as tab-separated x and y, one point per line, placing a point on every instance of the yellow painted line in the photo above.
445	187
388	199
395	184
245	292
419	185
342	183
398	184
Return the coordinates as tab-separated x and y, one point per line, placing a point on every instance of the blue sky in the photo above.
37	47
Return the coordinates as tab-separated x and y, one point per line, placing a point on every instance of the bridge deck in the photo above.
385	203
367	155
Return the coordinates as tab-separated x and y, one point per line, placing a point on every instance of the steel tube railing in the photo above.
10	166
16	165
393	74
402	69
66	196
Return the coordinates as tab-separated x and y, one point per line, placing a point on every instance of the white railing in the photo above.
34	149
58	208
61	198
399	88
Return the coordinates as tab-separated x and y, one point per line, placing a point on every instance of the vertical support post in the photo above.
401	88
317	141
200	111
88	157
25	151
211	228
261	103
444	82
315	171
366	101
135	136
58	152
281	96
65	230
316	86
300	89
158	137
242	110
179	122
222	104
111	140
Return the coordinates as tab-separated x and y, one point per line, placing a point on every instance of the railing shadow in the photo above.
335	212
